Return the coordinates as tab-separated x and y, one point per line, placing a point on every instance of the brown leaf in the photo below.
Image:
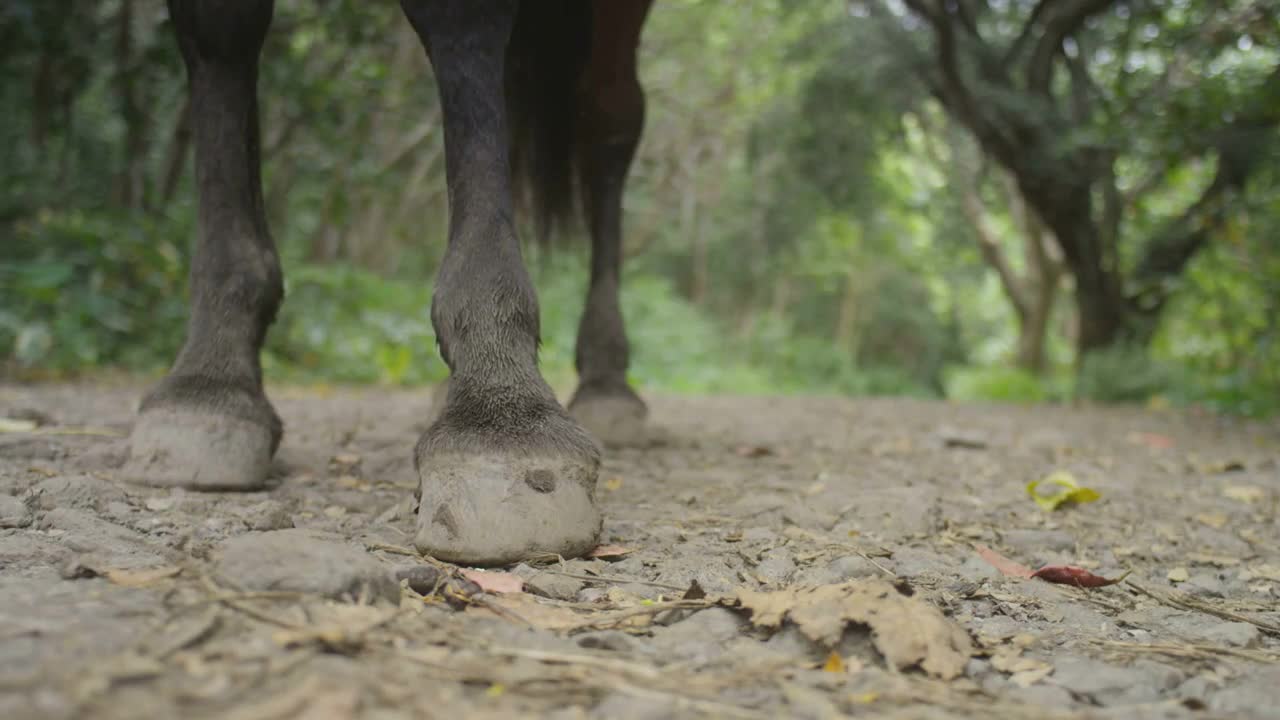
753	451
907	631
1003	564
1072	575
610	552
1154	441
695	592
494	582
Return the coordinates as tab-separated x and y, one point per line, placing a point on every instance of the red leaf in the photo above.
1155	441
494	582
1002	563
1072	575
610	552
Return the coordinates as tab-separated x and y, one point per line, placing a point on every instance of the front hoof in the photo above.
198	451
500	507
615	417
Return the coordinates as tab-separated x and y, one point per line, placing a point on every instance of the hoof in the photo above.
491	500
198	451
614	417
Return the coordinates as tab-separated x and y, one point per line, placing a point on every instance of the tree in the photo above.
1070	95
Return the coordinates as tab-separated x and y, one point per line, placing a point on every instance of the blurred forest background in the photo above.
1017	200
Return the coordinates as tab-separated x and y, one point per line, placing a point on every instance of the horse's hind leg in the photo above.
505	473
208	424
612	118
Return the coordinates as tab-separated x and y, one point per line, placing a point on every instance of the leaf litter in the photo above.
907	631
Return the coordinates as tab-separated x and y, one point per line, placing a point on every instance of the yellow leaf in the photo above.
12	425
495	690
834	663
613	483
1068	491
1244	493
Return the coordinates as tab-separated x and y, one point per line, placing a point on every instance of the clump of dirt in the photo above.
772	557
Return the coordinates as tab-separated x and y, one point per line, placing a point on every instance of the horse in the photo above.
541	100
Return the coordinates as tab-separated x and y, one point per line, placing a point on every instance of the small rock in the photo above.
304	561
700	637
1237	634
84	492
852	566
1251	696
776	565
1178	575
268	515
546	584
110	545
611	640
13	512
1036	543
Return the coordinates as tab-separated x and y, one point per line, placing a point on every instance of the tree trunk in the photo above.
1033	329
131	185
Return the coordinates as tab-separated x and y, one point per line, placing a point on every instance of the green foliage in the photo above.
83	289
343	324
1123	374
998	384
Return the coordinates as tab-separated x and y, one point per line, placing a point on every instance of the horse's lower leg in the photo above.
612	117
505	473
208	424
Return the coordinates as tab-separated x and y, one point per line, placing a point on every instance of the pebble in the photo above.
13	512
304	561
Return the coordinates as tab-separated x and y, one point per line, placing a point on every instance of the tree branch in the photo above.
1242	146
1061	19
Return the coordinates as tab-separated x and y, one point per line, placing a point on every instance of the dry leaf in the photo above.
524	608
494	582
1009	659
907	631
345	459
613	483
1213	520
695	592
753	451
1027	678
1154	441
1244	493
610	552
1072	575
834	663
1264	572
1002	563
16	425
140	577
1211	559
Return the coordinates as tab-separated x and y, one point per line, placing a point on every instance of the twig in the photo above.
228	600
591	661
1188	603
654	609
1188	650
879	567
615	579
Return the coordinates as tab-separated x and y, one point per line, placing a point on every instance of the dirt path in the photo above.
122	602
